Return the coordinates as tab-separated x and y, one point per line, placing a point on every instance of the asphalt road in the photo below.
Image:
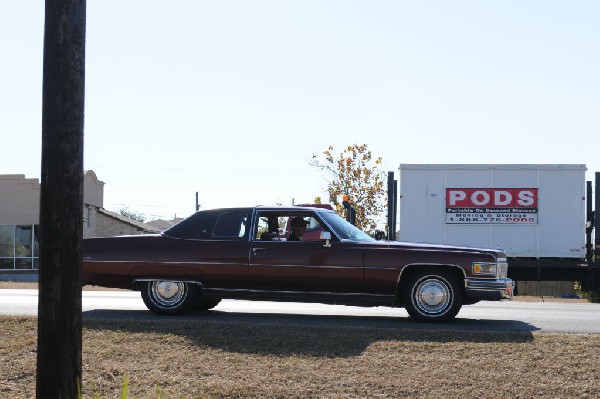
566	317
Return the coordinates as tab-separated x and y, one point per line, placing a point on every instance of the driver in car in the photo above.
298	228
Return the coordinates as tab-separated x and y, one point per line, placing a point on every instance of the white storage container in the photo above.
531	211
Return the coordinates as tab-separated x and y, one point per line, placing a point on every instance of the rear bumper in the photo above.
491	290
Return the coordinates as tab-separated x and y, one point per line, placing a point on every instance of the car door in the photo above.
212	250
306	267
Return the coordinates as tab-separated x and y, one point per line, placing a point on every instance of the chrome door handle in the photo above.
256	250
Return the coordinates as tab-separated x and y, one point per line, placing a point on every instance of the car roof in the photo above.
291	208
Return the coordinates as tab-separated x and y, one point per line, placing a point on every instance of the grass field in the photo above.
200	359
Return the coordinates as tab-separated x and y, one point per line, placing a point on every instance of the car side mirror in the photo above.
326	236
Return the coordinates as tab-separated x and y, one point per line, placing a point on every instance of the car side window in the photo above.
269	228
277	226
312	230
230	225
262	228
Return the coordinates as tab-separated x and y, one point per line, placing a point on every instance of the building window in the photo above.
19	248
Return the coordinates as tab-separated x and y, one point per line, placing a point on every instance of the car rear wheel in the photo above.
170	297
432	296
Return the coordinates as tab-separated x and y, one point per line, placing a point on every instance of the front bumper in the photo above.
491	290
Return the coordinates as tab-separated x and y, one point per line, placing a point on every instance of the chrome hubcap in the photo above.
167	293
432	296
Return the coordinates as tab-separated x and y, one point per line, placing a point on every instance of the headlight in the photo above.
484	268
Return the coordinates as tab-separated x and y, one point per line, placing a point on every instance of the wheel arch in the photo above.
411	268
138	283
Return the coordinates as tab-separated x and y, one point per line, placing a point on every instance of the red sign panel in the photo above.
492	197
491	205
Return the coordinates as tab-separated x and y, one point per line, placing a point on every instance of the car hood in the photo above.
401	245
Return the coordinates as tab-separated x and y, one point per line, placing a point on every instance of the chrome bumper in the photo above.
492	290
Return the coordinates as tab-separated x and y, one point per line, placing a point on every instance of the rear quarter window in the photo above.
231	225
212	224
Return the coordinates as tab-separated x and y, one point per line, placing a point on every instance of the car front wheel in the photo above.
432	296
169	297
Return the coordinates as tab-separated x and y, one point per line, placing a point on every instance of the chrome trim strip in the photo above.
259	292
297	293
487	284
285	292
394	268
308	266
222	263
504	287
161	262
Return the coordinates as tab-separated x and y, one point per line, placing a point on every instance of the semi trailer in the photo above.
541	215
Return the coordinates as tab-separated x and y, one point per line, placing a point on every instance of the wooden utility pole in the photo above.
61	210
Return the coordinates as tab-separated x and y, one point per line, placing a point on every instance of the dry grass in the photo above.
17	284
201	359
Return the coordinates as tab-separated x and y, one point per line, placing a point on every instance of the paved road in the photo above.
489	316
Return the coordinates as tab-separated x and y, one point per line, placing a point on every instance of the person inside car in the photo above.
273	230
298	228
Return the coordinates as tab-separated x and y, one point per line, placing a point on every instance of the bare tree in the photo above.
61	209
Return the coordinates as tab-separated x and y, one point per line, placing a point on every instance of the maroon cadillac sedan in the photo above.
255	253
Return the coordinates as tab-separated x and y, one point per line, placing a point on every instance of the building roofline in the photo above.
132	222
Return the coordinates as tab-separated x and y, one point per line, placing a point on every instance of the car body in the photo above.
244	253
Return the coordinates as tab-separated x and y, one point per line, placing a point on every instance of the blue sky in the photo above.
232	98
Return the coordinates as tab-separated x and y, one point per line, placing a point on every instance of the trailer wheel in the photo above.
432	295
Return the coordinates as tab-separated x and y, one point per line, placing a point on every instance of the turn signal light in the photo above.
484	268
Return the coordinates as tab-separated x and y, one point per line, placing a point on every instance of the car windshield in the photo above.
345	230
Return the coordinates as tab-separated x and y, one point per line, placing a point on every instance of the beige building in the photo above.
20	215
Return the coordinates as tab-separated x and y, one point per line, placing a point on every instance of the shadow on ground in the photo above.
305	335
